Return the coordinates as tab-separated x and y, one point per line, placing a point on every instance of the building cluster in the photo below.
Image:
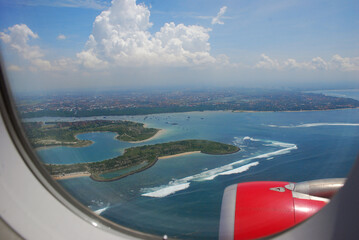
213	100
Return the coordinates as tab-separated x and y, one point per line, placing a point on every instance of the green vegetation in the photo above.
145	155
64	133
134	159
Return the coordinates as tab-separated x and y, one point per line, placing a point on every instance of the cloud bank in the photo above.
337	62
121	39
128	43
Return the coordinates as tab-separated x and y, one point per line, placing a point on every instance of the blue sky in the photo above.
127	44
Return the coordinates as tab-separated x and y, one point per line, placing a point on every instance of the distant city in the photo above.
141	103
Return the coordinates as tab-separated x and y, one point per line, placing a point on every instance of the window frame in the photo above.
17	134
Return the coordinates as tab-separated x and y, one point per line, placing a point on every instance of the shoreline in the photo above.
141	169
90	142
71	175
126	174
76	144
158	134
94	177
228	110
178	155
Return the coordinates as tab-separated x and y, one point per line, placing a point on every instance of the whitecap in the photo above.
251	139
235	170
228	169
166	190
240	141
308	125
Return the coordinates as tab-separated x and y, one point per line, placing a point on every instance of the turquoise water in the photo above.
181	196
105	146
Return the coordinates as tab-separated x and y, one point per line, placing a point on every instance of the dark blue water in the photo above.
181	196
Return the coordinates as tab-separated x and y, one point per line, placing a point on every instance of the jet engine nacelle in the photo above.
259	209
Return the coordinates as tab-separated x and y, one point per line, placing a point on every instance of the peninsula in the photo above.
64	133
137	159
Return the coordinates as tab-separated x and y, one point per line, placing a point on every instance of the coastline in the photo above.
71	175
319	110
158	134
204	111
141	169
90	142
96	176
178	155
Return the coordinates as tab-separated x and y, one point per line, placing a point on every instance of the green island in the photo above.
137	159
133	160
64	133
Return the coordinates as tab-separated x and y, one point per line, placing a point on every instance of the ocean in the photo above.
181	196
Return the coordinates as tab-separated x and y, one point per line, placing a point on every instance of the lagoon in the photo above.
181	196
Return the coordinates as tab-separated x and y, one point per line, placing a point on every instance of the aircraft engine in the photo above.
259	209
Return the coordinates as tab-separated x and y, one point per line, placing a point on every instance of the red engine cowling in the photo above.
259	209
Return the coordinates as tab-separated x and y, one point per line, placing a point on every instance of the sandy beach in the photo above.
180	154
159	133
71	175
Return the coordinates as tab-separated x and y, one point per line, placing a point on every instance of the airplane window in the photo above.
187	119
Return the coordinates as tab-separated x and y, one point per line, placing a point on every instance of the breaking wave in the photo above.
233	171
166	190
307	125
228	169
249	138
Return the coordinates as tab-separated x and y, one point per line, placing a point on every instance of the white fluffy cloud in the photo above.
17	38
89	60
217	19
121	37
